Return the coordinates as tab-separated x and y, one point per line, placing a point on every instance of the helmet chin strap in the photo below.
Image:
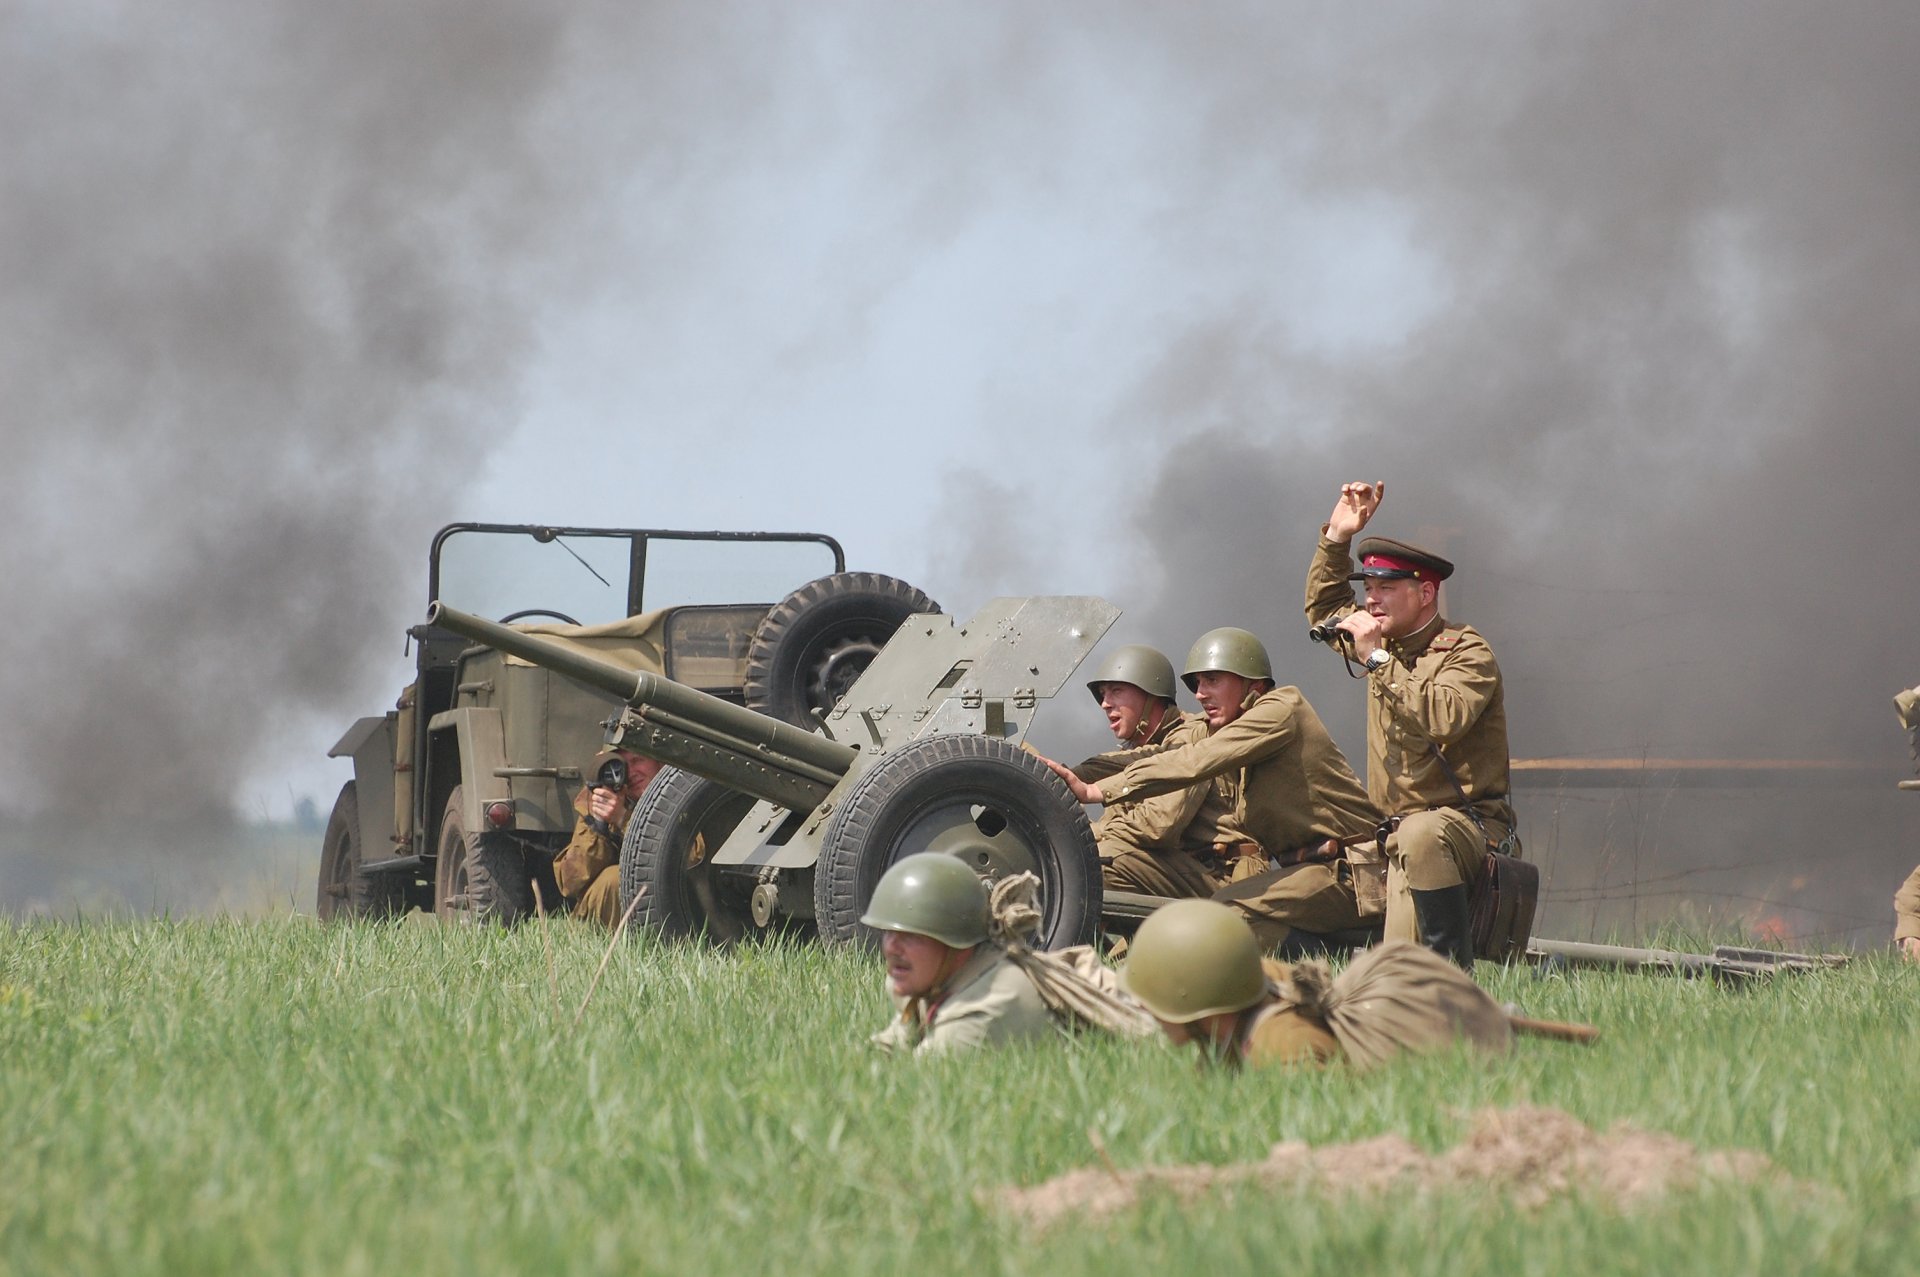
1144	728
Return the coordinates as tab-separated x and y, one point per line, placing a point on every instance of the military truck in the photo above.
462	793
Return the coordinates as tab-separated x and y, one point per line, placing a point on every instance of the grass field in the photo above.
275	1096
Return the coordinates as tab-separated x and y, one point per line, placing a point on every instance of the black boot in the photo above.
1446	923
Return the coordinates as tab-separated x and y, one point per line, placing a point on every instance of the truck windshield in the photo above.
594	576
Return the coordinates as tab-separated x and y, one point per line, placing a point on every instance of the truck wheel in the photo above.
682	817
482	877
816	642
980	798
344	892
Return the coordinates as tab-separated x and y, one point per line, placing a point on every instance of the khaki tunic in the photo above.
1288	783
1906	909
1278	1032
989	1001
1197	817
588	868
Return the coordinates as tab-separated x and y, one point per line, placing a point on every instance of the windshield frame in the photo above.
637	556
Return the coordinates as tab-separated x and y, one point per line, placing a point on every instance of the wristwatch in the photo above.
1379	658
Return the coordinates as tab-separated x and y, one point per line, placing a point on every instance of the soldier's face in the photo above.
916	964
1212	1031
640	772
1402	606
1220	694
1127	707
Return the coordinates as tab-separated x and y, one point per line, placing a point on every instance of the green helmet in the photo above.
1144	667
1227	650
930	894
1192	959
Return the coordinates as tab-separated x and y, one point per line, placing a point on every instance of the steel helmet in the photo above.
1147	668
1228	650
930	894
1192	959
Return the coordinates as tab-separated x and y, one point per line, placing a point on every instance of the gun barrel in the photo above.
679	707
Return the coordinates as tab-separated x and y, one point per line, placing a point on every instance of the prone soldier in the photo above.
1436	723
588	867
1157	845
1196	967
1292	796
954	988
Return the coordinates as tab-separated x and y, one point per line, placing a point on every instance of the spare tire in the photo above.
817	641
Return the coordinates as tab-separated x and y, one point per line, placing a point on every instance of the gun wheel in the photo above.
976	797
344	891
479	877
814	645
681	819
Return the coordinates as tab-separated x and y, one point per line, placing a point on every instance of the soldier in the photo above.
1906	901
1156	845
1436	724
955	990
1196	967
588	867
1291	794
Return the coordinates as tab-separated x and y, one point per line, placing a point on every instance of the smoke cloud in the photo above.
1619	300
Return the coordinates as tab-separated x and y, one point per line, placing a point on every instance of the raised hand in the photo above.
1355	507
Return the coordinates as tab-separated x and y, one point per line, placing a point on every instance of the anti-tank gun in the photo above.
758	823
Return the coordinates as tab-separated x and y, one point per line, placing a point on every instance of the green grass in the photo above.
275	1096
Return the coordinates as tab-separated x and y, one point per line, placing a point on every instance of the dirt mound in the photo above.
1531	1154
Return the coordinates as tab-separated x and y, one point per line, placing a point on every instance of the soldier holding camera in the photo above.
588	869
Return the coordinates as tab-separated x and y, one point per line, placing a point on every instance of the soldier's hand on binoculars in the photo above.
1356	505
1364	628
603	804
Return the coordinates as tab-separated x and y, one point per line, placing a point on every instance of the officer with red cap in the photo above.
1436	723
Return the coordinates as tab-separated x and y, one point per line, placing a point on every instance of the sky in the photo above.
1619	300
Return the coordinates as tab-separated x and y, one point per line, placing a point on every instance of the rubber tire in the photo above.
490	869
813	644
863	837
343	892
680	900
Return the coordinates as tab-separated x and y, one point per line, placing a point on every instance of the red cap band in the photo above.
1397	565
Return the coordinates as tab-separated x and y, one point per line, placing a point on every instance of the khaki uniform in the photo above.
588	869
1906	901
1442	690
1276	1031
1290	789
1165	845
989	1001
1906	909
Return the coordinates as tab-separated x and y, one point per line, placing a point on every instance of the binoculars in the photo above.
1328	631
613	775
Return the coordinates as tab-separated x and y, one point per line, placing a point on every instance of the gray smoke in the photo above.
1661	409
1619	299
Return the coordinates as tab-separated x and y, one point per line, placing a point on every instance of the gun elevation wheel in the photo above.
817	641
482	877
976	797
682	817
344	891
